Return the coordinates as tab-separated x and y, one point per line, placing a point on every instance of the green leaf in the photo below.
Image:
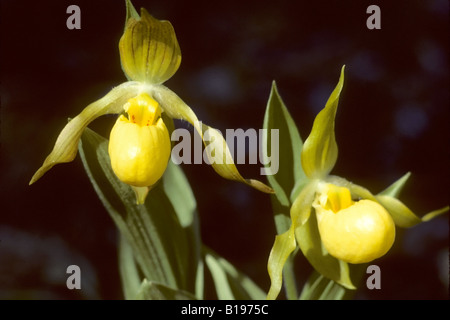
165	249
318	287
66	145
309	241
229	282
180	195
150	290
287	148
282	140
129	271
320	151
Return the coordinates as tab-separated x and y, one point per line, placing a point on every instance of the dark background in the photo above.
393	118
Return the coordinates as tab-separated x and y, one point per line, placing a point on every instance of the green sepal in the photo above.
149	49
66	145
320	151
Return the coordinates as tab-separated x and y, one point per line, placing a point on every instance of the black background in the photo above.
393	118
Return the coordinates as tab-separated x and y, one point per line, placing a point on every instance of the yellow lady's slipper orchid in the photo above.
352	231
329	227
140	145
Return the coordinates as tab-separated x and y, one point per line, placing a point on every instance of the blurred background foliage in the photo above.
393	118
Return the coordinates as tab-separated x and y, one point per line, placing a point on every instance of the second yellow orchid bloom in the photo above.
333	221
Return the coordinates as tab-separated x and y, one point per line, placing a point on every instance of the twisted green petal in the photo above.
402	215
66	145
222	161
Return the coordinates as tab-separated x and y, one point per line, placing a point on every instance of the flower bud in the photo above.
139	145
354	232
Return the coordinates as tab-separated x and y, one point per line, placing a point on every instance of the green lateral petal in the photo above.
435	213
149	49
308	238
402	215
66	145
320	150
221	161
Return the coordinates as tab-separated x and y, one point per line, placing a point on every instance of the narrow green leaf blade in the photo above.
318	287
230	283
129	273
283	141
150	290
